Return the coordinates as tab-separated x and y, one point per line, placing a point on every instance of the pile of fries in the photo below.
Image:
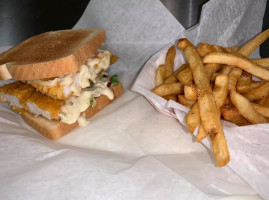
217	83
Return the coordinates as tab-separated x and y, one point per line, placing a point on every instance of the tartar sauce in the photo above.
76	81
75	105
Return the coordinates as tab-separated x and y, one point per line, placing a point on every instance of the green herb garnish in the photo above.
93	102
114	80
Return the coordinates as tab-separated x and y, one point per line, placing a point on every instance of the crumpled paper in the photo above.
247	145
126	151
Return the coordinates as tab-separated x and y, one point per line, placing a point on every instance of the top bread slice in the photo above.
50	54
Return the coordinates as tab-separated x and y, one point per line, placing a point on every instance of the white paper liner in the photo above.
247	145
125	152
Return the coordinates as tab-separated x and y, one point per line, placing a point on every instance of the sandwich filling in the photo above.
64	87
23	97
64	98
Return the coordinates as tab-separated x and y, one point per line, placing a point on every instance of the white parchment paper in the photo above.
248	145
129	150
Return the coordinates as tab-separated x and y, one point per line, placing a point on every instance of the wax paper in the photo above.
129	150
248	145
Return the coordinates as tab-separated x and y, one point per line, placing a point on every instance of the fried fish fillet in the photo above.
24	96
55	92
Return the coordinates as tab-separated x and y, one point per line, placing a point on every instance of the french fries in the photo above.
239	61
264	62
247	49
258	93
193	117
234	75
170	97
226	69
190	92
185	76
186	102
235	96
204	49
221	89
246	109
220	94
266	102
243	84
208	110
255	84
169	61
160	76
262	110
168	89
173	77
231	114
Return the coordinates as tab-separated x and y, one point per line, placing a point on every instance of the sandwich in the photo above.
59	79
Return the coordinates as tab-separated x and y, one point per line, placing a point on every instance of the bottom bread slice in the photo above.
54	129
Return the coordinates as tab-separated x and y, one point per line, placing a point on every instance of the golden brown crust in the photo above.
54	130
51	54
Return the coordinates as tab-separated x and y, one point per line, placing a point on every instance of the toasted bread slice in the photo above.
54	129
50	54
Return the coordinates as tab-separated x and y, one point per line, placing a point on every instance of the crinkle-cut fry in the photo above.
230	113
55	92
238	61
233	76
262	110
258	92
264	62
208	110
246	109
185	76
248	48
185	102
190	92
160	75
169	61
168	89
193	117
